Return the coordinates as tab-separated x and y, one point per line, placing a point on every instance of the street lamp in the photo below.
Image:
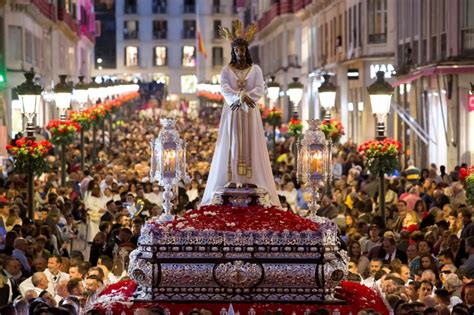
81	95
327	96
273	93
380	97
29	94
62	96
295	93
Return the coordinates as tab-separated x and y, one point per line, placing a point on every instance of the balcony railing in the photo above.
189	9
130	35
45	8
156	9
467	41
159	34
377	38
130	9
188	34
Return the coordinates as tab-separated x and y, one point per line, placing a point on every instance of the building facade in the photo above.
435	54
157	40
50	37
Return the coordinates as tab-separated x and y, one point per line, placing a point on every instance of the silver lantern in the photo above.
168	162
313	161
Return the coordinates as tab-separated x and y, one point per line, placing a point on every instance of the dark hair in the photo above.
96	278
240	42
72	284
447	254
106	261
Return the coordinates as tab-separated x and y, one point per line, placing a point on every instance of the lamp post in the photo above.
29	94
168	163
327	98
380	98
93	94
273	92
313	157
81	96
62	97
295	93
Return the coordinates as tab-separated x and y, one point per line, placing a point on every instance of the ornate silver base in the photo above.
253	266
234	195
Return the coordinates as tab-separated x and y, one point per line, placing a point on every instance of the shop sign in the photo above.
387	68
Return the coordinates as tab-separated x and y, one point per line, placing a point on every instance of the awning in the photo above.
433	70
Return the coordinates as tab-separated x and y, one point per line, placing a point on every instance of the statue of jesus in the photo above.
241	155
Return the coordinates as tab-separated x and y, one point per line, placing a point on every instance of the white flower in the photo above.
193	215
180	225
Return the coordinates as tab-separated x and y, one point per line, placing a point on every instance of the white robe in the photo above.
262	175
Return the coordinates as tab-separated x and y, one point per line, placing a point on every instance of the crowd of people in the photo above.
420	258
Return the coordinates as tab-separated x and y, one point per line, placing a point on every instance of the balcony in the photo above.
68	20
160	34
280	8
87	33
47	9
188	34
467	42
188	9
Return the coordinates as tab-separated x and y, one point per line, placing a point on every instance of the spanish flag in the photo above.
201	47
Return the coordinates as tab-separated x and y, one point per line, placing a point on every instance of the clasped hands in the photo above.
244	99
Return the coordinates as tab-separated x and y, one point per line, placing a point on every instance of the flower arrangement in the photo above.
295	127
62	132
28	155
211	97
332	129
467	176
97	113
273	117
381	155
81	117
253	218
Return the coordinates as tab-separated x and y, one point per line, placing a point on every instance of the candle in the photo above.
170	160
316	162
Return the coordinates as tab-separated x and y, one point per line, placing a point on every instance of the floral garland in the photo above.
211	97
295	127
467	176
273	117
62	131
381	155
332	129
28	155
83	118
253	218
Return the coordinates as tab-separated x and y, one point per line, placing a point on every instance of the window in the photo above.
467	27
217	26
160	54
189	6
29	49
189	29
216	7
15	44
217	56
188	83
377	24
130	7
130	29
160	29
131	56
189	56
159	6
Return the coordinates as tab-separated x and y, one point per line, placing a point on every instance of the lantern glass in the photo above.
29	103
328	99
295	94
380	103
81	96
273	92
63	100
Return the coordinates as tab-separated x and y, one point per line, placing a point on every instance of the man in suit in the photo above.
388	251
12	270
109	214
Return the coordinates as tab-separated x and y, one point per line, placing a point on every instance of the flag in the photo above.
201	47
